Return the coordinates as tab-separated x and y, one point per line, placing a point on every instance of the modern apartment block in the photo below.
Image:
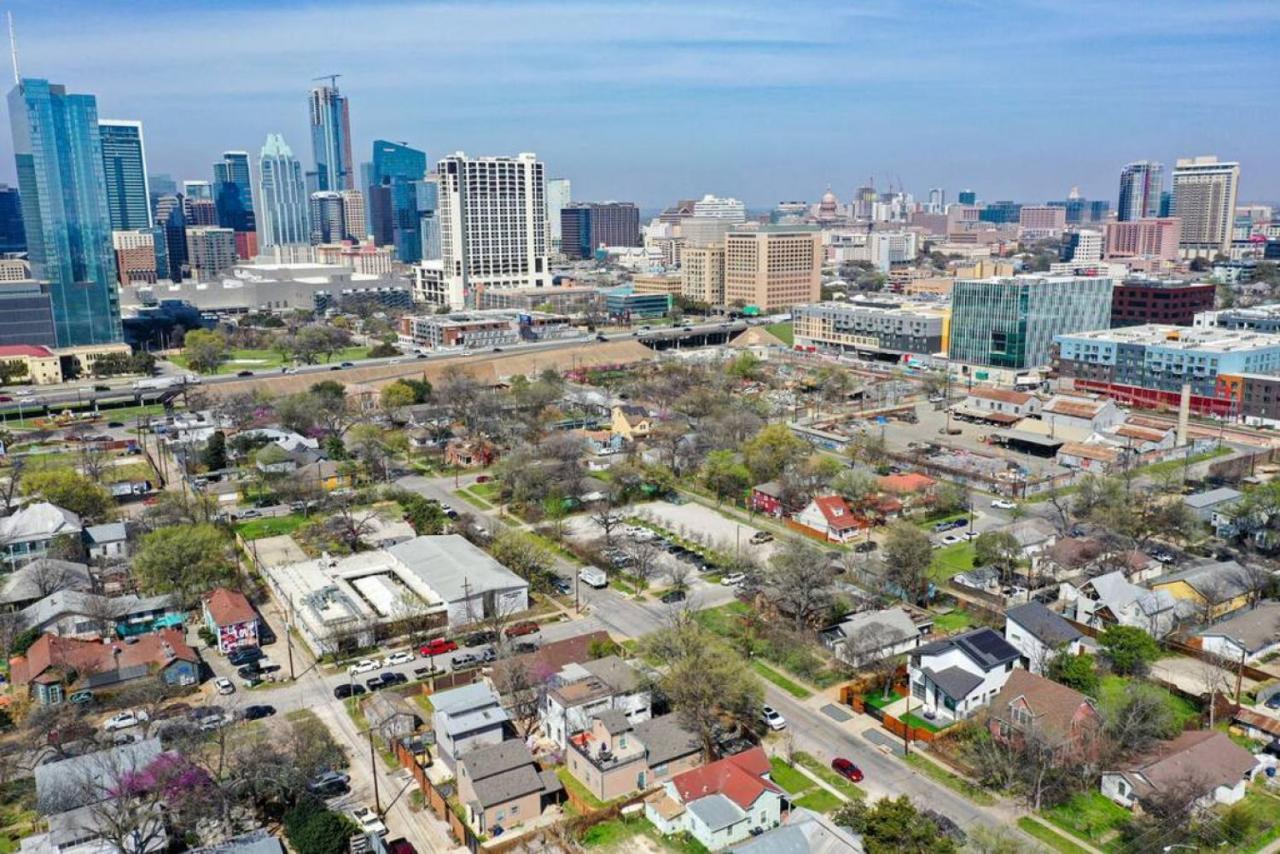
1138	301
483	329
882	329
559	195
211	251
1256	318
702	274
585	226
1042	220
1154	238
714	206
1148	365
1141	183
136	255
1011	322
772	267
1204	198
493	222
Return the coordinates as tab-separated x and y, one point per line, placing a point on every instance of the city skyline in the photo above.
786	101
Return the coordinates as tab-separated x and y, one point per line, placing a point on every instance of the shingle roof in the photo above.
664	739
111	532
228	607
894	624
613	721
1207	758
1254	629
38	521
80	780
1217	581
805	832
835	511
33	580
902	484
716	811
496	758
1048	627
955	681
740	778
1053	705
92	657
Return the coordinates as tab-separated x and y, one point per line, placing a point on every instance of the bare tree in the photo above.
798	583
1256	579
678	572
608	518
50	576
11	483
644	556
523	682
872	649
1214	673
93	460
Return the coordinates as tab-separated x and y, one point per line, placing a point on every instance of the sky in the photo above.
654	101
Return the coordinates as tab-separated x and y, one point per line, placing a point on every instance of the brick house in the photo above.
1031	704
766	498
614	758
231	618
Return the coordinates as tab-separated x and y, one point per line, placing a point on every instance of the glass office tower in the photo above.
400	169
124	162
283	217
330	140
233	191
58	150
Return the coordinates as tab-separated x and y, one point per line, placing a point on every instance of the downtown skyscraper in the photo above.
1204	198
233	191
124	162
330	140
57	146
282	217
1141	183
395	174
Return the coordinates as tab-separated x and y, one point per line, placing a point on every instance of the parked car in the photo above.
394	679
464	661
951	539
1273	702
673	596
761	537
395	658
125	719
563	586
224	685
364	665
480	638
346	690
347	365
524	647
524	627
866	547
772	718
733	579
244	373
255	713
1003	504
368	821
329	783
593	576
846	769
244	655
249	671
377	683
426	671
437	646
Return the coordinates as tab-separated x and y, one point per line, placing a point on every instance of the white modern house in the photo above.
1040	634
580	692
955	677
1112	600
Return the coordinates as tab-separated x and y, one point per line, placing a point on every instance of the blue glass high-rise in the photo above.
400	168
233	191
58	151
330	140
13	237
124	164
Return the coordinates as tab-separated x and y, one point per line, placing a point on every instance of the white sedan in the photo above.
1003	504
224	685
733	579
124	720
369	821
951	539
772	718
364	665
395	658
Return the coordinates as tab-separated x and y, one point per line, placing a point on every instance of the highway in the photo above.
27	400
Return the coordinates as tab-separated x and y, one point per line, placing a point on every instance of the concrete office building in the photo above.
1011	322
493	222
1141	184
211	251
1042	220
714	206
702	274
124	163
772	267
883	329
354	221
26	314
559	195
14	270
1137	301
1204	198
587	226
1148	365
1147	238
1256	318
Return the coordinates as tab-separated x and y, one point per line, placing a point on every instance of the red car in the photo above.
524	627
437	646
846	769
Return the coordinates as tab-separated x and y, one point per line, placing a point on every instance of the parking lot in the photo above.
694	521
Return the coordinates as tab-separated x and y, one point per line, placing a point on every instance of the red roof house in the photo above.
906	484
231	618
830	517
54	667
719	804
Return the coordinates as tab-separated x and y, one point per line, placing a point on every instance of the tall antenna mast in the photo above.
13	49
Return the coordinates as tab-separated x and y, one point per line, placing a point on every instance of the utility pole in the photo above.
373	768
288	639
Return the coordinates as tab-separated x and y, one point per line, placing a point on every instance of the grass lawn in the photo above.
787	777
877	700
123	414
264	360
1055	841
276	526
819	800
794	689
489	490
955	621
831	778
916	722
18	817
950	560
616	834
1176	465
572	783
724	619
473	500
1090	816
783	331
975	793
1111	694
128	472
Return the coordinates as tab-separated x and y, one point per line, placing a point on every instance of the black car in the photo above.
100	387
348	364
115	423
342	692
244	373
377	683
244	656
497	349
866	547
525	647
673	596
249	671
480	638
256	713
392	678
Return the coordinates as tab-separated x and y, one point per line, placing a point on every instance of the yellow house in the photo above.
631	422
328	474
1212	589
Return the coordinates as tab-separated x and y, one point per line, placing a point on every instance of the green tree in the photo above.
892	826
1074	671
425	515
312	828
1128	649
214	456
855	486
72	491
397	395
204	349
908	555
724	475
184	559
771	450
999	549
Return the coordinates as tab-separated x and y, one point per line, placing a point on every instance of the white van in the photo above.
593	576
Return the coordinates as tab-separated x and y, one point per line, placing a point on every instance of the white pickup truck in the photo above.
593	576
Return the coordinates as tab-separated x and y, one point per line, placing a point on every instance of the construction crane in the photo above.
332	78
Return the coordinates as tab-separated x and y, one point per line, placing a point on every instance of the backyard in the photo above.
18	817
619	835
950	560
256	529
1091	816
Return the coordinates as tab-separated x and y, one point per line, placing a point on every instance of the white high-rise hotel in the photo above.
1204	198
493	223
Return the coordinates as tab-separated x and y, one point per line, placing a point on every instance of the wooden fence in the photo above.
904	730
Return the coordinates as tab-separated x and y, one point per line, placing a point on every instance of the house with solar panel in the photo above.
953	678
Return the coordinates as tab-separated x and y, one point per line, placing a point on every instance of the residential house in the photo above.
1079	412
766	498
721	803
614	757
1247	636
258	841
501	787
231	618
286	440
984	578
1203	505
470	453
580	692
631	422
602	443
1031	706
1208	760
957	676
90	616
806	832
1207	591
327	474
27	533
911	487
275	460
1069	556
1112	600
391	716
998	405
871	636
107	543
465	719
1040	634
829	517
35	580
55	668
1033	534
